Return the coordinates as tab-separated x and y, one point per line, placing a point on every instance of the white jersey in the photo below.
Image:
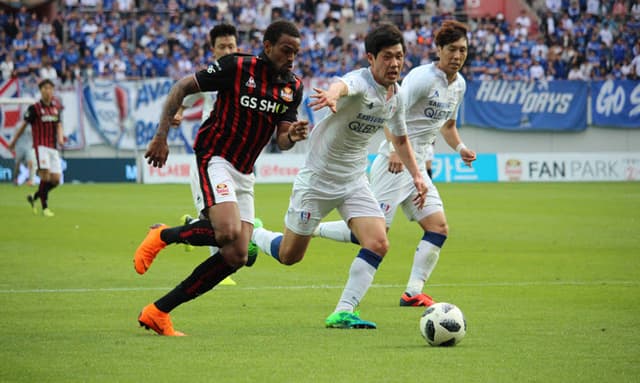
430	101
338	143
207	106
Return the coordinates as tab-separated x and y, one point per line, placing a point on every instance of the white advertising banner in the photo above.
270	168
177	170
571	167
278	168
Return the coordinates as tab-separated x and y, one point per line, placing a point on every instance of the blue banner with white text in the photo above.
616	103
527	106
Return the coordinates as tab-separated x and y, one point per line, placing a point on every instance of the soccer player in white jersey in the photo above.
224	40
334	176
432	94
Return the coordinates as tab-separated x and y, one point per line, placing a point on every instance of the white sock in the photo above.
336	230
361	274
424	261
263	238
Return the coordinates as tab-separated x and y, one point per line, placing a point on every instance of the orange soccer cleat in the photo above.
421	299
152	318
149	248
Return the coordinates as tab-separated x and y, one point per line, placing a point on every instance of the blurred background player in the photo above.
25	155
334	174
46	127
439	89
227	146
223	40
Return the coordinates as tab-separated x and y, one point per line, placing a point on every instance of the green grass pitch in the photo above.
548	276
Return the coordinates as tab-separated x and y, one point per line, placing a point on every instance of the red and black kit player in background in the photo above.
257	96
46	126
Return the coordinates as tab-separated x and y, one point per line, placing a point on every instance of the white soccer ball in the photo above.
443	324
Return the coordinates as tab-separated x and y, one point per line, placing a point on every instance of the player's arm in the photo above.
60	134
289	129
329	98
158	149
408	158
450	133
187	102
395	163
16	137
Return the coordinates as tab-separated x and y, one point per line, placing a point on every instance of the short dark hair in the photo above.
386	35
450	32
222	30
279	28
44	82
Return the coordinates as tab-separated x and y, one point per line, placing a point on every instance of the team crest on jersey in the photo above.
286	94
305	216
222	189
385	207
251	83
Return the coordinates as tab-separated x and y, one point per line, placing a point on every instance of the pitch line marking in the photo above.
314	287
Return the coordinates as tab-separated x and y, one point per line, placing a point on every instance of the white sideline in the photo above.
313	287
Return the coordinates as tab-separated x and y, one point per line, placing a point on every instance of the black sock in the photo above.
203	278
197	233
430	173
43	193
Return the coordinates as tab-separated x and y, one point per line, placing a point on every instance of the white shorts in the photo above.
429	152
218	182
49	159
25	154
312	198
393	190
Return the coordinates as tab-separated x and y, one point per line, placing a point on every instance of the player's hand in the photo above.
468	156
178	117
323	98
157	151
12	145
421	195
299	130
395	164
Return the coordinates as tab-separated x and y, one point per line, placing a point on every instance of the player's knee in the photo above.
379	246
235	256
289	258
227	233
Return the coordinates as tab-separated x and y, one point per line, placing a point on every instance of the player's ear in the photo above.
268	47
370	58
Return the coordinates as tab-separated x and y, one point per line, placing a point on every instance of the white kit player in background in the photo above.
223	39
432	94
363	102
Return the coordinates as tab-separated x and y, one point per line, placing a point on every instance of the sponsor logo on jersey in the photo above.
263	105
49	118
212	68
251	83
222	189
286	94
366	123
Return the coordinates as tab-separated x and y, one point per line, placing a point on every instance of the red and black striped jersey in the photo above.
44	120
252	100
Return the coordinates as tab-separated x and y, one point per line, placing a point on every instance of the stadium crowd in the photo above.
132	39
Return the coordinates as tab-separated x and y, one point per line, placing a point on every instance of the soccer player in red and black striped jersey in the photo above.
257	96
46	126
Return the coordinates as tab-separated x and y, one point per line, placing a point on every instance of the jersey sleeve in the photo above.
356	84
30	114
397	123
462	90
218	75
292	113
413	89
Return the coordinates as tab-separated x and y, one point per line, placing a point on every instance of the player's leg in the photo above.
18	160
432	220
198	232
232	215
307	207
368	225
31	165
